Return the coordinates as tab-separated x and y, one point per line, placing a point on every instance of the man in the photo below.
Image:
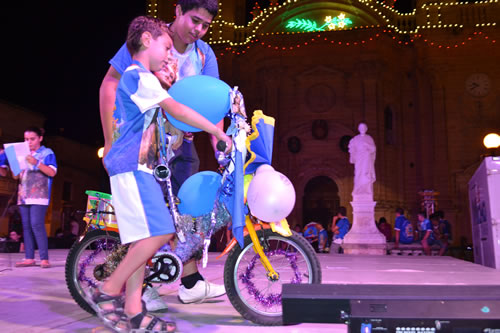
192	20
403	229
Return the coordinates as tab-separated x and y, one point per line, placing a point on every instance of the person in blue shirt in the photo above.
311	233
425	229
33	196
340	227
142	216
192	56
403	229
4	166
437	236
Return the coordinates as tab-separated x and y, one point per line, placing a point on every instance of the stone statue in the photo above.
362	150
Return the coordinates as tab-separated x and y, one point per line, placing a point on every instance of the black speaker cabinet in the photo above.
395	308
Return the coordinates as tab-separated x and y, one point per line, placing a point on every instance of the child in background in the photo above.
340	227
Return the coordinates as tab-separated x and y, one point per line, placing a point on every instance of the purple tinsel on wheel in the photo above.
271	299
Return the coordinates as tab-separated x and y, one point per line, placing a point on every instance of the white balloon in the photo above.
264	168
270	196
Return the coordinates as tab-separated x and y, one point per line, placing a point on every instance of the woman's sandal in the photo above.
155	325
112	316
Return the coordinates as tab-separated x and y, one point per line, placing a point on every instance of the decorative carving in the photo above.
363	151
320	98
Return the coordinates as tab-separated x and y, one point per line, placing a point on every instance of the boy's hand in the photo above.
220	135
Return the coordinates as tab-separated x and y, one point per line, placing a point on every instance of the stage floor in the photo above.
37	300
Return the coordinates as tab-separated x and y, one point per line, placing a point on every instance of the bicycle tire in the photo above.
234	281
72	267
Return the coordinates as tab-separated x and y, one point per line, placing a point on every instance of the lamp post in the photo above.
491	142
100	152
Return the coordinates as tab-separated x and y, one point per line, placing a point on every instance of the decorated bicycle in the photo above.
246	192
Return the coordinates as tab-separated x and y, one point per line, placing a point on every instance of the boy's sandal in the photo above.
113	317
155	325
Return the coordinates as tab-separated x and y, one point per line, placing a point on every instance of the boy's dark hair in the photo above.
37	130
422	213
342	211
382	220
141	24
212	6
400	211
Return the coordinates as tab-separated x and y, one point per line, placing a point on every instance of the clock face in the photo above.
478	84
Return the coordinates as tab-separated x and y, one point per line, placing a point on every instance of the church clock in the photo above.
478	84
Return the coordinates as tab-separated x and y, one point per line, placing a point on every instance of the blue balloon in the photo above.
205	94
198	193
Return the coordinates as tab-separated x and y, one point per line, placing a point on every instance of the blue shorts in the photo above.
139	206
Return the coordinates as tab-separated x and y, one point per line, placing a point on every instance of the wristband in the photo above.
38	163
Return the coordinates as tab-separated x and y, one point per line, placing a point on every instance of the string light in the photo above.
406	22
320	37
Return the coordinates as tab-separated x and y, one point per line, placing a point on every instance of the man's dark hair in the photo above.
37	130
212	6
342	211
400	211
138	26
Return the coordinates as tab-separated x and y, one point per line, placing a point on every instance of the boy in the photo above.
425	228
403	229
340	227
192	20
142	216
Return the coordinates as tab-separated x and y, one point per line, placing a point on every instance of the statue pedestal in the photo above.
364	237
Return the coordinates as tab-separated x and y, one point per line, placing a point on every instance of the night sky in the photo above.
55	54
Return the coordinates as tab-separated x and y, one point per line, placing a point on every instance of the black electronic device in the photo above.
395	308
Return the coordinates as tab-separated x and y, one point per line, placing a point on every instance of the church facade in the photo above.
426	83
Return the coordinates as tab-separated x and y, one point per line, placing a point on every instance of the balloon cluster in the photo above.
271	195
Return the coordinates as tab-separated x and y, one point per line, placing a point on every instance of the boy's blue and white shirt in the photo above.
135	133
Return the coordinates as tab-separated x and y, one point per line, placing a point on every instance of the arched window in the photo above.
321	200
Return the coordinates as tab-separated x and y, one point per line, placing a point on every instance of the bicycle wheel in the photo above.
251	292
85	264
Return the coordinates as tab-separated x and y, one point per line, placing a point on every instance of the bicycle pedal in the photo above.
167	268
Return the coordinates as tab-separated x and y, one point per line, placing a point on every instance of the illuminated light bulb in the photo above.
491	140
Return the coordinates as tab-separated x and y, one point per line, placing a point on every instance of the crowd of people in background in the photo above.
429	232
432	232
329	239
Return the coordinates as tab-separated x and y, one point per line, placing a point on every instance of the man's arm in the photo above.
107	96
213	139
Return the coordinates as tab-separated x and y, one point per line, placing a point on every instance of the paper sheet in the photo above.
16	154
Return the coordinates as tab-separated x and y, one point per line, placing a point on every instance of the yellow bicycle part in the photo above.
271	273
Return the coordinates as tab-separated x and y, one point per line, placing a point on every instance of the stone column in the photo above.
364	237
